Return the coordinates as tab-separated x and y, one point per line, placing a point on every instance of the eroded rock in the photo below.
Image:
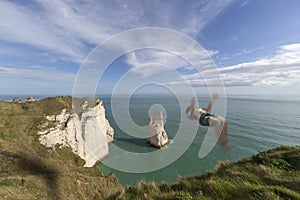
87	133
30	99
157	135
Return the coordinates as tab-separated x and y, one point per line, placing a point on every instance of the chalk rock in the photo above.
87	133
30	99
157	135
16	100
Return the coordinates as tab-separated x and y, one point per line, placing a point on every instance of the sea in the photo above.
255	123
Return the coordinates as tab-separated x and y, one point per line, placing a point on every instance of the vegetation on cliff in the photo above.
28	170
274	174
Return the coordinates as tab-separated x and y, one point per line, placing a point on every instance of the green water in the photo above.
254	124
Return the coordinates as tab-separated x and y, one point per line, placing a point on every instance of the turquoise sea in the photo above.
254	124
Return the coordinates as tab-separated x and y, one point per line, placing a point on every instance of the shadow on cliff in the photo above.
28	165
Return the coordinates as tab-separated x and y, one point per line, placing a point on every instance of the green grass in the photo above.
28	170
268	175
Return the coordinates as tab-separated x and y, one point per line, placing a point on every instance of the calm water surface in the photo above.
254	124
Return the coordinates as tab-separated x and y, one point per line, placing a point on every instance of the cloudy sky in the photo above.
255	45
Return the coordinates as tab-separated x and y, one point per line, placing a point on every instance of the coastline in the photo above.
30	170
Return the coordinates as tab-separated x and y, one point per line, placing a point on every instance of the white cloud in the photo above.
196	16
38	73
66	27
241	53
55	30
245	3
23	25
282	69
174	60
142	60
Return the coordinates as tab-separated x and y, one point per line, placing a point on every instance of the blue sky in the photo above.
255	44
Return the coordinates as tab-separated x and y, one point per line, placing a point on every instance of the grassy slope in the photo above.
30	171
268	175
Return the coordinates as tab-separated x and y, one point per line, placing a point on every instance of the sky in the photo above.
253	44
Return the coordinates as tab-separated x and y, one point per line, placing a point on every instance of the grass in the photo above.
267	175
28	170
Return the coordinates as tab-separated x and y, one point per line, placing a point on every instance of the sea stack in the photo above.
157	135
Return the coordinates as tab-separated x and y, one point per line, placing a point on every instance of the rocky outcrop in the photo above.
16	100
157	135
87	132
30	99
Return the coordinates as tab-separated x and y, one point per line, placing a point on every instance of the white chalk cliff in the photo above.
87	133
157	135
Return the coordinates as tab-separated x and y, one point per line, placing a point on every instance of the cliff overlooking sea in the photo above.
29	170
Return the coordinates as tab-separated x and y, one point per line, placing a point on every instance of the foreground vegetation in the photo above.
267	175
30	171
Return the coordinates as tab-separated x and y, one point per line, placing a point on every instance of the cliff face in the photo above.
87	133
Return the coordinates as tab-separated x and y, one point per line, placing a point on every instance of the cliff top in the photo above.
28	170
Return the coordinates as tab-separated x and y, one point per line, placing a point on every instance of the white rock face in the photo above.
157	135
87	133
